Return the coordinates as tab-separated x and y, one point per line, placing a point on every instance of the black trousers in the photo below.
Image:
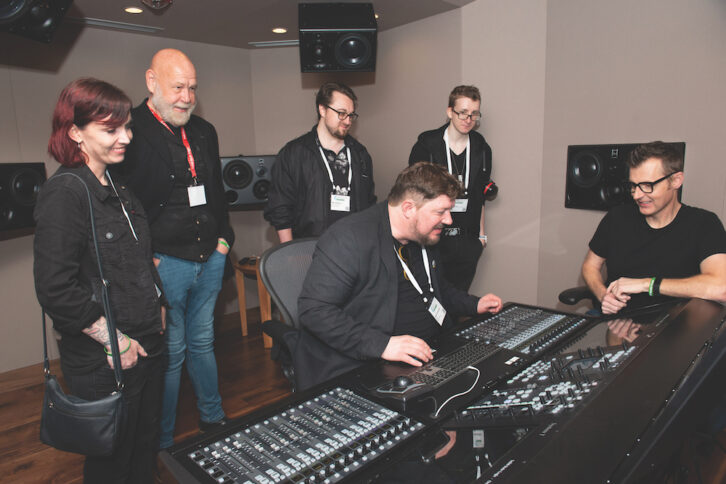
459	256
135	459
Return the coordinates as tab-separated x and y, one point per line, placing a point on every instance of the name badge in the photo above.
437	311
339	203
196	195
460	205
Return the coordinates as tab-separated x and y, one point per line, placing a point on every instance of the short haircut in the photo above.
670	157
423	181
325	94
472	92
81	102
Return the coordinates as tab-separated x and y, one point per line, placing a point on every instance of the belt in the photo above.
454	231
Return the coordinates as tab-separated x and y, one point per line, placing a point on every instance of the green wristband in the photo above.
223	242
650	287
120	352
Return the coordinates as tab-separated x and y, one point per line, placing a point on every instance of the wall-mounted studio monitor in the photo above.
19	187
35	19
246	180
596	175
336	37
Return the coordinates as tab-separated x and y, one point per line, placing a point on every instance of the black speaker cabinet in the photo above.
596	174
246	180
337	37
19	187
35	19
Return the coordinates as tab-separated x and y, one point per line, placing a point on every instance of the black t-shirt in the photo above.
631	248
412	314
471	218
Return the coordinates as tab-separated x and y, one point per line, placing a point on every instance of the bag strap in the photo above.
111	324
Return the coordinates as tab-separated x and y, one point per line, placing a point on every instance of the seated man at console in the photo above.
657	246
374	289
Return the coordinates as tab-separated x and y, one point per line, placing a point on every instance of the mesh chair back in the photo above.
283	269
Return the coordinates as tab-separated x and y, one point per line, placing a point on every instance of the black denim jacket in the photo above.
66	272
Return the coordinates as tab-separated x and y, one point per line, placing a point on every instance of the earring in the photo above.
79	145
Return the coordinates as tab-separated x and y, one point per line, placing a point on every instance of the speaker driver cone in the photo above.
352	50
237	174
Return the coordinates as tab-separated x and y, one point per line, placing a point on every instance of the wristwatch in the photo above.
484	238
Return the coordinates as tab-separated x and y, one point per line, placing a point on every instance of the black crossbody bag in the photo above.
70	423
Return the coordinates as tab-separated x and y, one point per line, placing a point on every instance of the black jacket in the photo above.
148	168
430	146
299	197
348	302
66	272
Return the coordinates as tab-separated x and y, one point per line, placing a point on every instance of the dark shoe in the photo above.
212	426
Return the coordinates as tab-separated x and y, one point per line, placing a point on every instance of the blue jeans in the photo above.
191	289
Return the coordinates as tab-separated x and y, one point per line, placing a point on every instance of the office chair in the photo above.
283	269
574	295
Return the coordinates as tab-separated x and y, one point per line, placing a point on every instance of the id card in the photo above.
460	205
339	203
196	195
437	311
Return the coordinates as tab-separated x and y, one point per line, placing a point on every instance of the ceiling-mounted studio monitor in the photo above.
35	19
596	175
337	37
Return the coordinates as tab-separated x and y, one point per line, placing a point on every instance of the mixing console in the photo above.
548	388
528	330
325	439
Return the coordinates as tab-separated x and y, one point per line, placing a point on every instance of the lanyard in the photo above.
408	272
448	157
185	141
327	166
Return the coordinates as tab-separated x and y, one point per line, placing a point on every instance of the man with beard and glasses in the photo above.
374	289
173	167
323	175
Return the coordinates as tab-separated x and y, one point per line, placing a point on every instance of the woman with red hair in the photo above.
91	129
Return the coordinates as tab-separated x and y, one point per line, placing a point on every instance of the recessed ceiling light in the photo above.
133	10
279	30
376	16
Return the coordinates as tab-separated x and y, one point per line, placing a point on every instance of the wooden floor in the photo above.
248	381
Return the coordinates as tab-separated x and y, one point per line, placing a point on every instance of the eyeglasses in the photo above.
342	115
475	116
645	187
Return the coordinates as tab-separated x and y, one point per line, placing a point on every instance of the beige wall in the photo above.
551	74
624	72
503	46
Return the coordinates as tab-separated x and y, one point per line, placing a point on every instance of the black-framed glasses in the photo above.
342	115
475	116
646	187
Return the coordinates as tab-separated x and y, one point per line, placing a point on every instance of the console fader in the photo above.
525	329
325	439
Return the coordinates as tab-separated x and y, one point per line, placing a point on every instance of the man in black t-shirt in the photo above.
374	288
657	247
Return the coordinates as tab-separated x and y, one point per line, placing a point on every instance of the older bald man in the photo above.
173	167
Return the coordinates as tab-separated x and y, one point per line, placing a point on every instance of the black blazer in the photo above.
348	302
149	170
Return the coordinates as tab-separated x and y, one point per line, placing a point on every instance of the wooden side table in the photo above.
252	268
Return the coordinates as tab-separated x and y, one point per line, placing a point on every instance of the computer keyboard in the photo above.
441	369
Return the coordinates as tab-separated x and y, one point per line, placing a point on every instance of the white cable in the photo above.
478	374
